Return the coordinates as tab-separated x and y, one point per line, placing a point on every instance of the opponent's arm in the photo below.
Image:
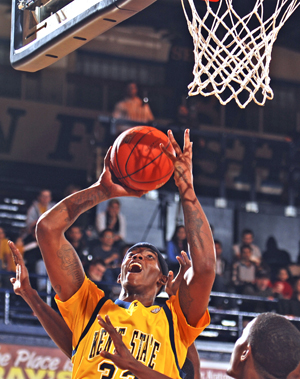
52	322
122	356
193	356
62	262
194	290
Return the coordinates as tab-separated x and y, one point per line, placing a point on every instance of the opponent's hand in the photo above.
122	356
174	283
182	160
111	185
21	282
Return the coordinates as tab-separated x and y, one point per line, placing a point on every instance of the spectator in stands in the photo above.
96	270
4	250
104	248
132	108
261	288
222	270
247	239
175	246
112	219
98	273
282	287
38	207
33	260
75	237
244	270
275	257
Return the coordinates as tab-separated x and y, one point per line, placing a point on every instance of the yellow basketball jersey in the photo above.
145	331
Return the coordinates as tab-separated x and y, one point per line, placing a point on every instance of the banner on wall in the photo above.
47	134
33	362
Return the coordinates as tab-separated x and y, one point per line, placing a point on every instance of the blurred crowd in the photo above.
267	274
102	244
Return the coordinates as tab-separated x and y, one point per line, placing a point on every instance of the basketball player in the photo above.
269	348
157	336
58	330
248	357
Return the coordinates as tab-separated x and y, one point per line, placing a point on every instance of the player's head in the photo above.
146	264
269	346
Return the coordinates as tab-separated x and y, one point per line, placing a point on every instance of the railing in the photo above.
227	310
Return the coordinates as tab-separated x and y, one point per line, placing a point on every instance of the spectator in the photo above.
244	270
4	250
222	270
262	288
132	108
247	239
75	236
282	287
38	207
112	219
95	270
34	261
98	273
104	248
274	257
175	246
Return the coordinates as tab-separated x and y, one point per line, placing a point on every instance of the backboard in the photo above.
44	31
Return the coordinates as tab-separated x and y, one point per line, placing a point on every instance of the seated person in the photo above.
243	271
175	246
262	288
247	238
104	248
114	220
282	287
222	270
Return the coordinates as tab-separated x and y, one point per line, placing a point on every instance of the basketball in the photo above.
137	160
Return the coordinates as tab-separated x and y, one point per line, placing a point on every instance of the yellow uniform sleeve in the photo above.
186	333
78	310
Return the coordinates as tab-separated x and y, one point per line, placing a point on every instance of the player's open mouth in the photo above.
135	267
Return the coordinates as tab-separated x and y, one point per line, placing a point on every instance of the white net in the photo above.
232	51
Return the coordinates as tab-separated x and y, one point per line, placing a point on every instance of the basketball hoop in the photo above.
232	51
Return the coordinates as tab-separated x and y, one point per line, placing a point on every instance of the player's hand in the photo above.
122	356
21	282
182	160
112	187
174	283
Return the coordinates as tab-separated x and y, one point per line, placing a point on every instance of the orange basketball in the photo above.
137	160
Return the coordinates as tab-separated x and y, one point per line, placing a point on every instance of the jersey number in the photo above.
108	370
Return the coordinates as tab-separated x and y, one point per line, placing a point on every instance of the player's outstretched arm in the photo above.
122	356
52	322
62	262
194	290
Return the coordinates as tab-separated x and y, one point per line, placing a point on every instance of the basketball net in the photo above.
232	52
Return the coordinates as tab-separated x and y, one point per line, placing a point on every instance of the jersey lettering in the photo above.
143	346
102	341
141	343
155	350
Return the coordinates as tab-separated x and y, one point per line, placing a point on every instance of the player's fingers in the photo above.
18	272
167	152
187	142
12	280
174	143
170	276
106	354
107	157
180	260
186	258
